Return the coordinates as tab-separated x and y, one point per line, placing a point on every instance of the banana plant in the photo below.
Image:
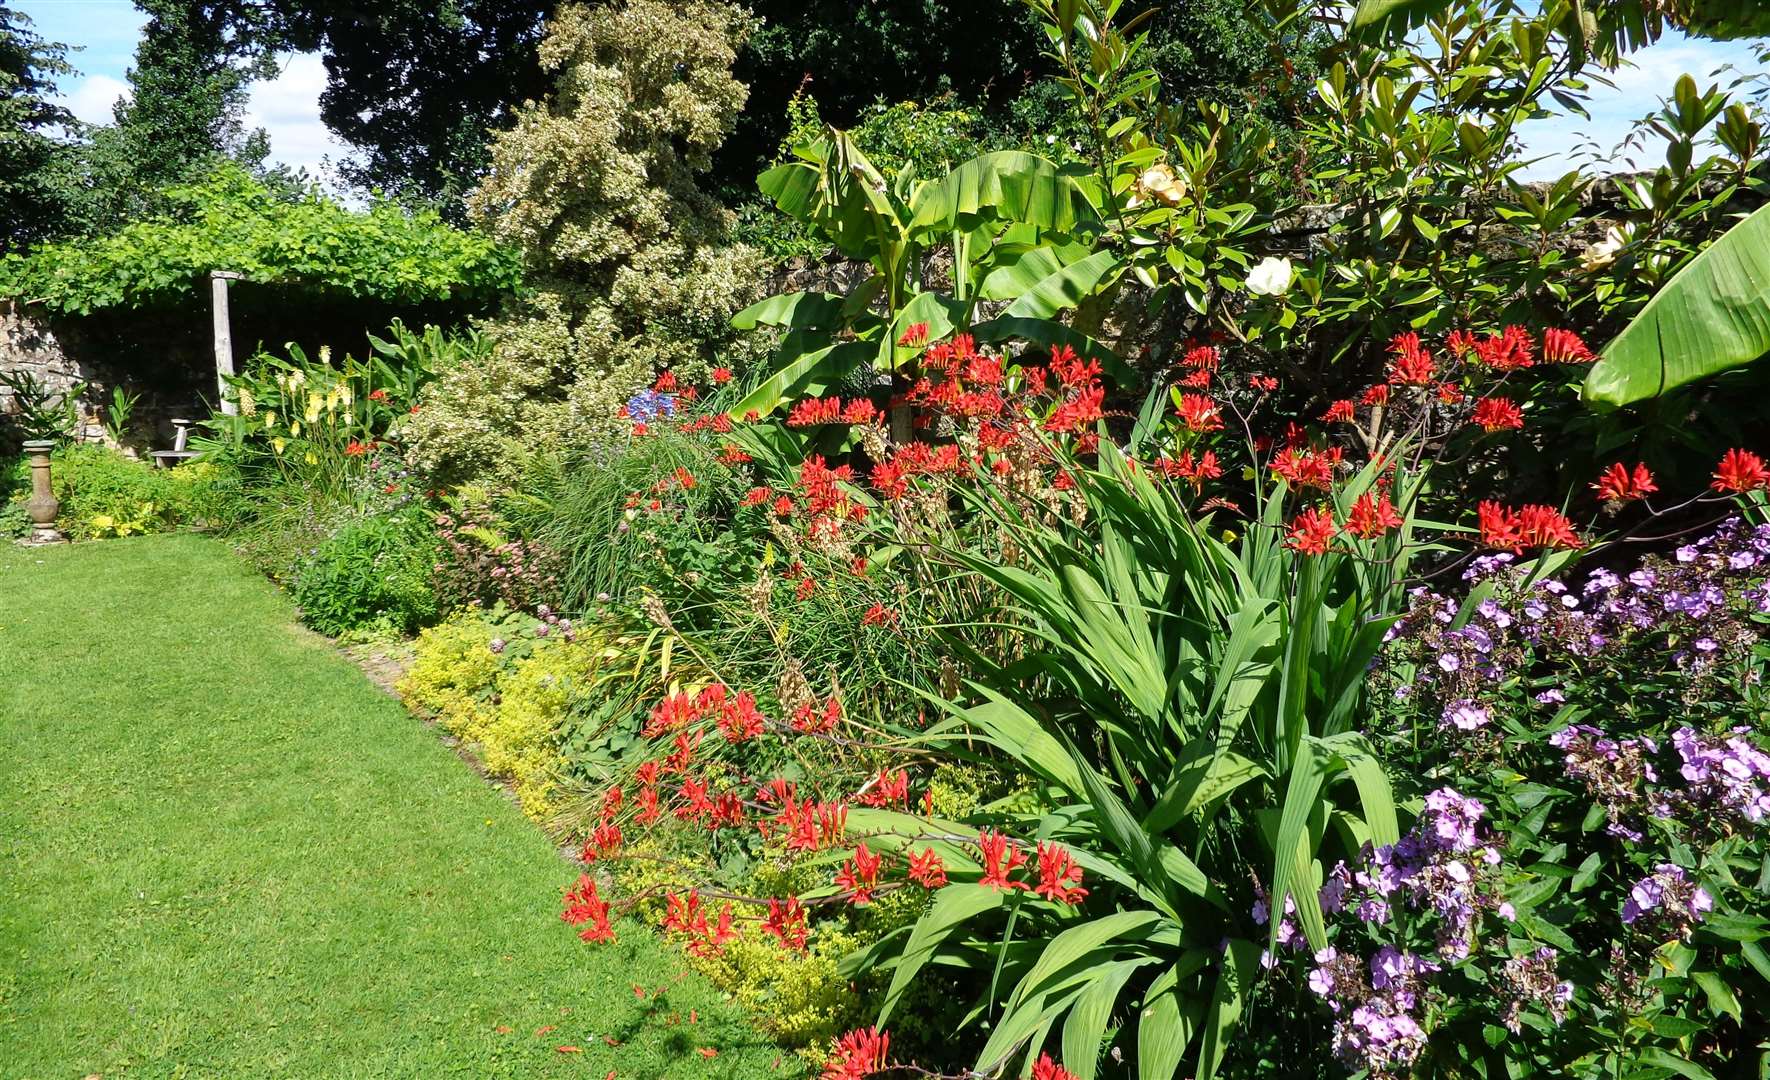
1186	710
1712	317
1017	227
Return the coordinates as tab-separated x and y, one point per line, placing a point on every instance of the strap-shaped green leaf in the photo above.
953	906
1241	966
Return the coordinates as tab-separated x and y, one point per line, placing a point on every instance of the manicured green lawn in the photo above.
224	853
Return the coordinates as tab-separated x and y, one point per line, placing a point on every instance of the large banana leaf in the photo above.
804	373
1007	185
1713	316
1066	287
804	310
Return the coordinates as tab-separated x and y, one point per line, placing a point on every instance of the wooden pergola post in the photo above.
224	344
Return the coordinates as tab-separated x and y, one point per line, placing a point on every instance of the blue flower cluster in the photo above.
647	405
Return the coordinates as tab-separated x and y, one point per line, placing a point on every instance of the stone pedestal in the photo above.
42	506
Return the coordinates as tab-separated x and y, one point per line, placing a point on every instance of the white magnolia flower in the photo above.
1603	253
1272	277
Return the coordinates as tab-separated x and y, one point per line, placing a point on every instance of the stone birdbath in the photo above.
42	505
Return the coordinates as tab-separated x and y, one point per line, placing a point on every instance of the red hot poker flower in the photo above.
1000	858
859	1054
1497	414
1060	878
1741	471
927	869
1370	518
1618	484
1311	532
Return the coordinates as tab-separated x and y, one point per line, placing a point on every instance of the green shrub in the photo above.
374	571
103	494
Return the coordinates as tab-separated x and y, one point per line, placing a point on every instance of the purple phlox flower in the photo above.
1464	715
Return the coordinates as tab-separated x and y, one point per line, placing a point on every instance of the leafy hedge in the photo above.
234	222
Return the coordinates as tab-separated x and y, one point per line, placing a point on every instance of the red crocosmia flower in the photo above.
740	720
611	803
783	507
1046	1069
1450	393
356	449
1340	412
1376	395
1304	468
649	811
1498	414
607	838
1204	357
733	454
685	479
691	394
860	411
1199	413
666	383
858	567
1413	364
675	711
1311	532
1509	350
684	744
879	615
728	811
1000	858
1528	526
860	875
377	395
1197	380
1370	517
1619	484
414	410
786	922
1060	878
722	375
859	1054
813	411
915	334
1741	471
1265	384
926	869
695	803
1564	347
1461	343
888	788
582	905
647	773
805	588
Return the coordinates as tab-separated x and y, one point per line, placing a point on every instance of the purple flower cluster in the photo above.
647	405
1443	864
1614	771
1374	1026
1534	979
1669	897
1730	776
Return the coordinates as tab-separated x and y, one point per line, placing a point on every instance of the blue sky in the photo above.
288	107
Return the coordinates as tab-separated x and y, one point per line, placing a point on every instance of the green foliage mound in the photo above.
374	572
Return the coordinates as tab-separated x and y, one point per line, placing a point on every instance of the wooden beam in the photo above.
224	343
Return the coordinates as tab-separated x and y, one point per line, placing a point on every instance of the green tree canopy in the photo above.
31	205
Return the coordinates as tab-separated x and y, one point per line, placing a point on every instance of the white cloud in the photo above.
288	109
92	98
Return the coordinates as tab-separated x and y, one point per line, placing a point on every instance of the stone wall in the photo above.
29	347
